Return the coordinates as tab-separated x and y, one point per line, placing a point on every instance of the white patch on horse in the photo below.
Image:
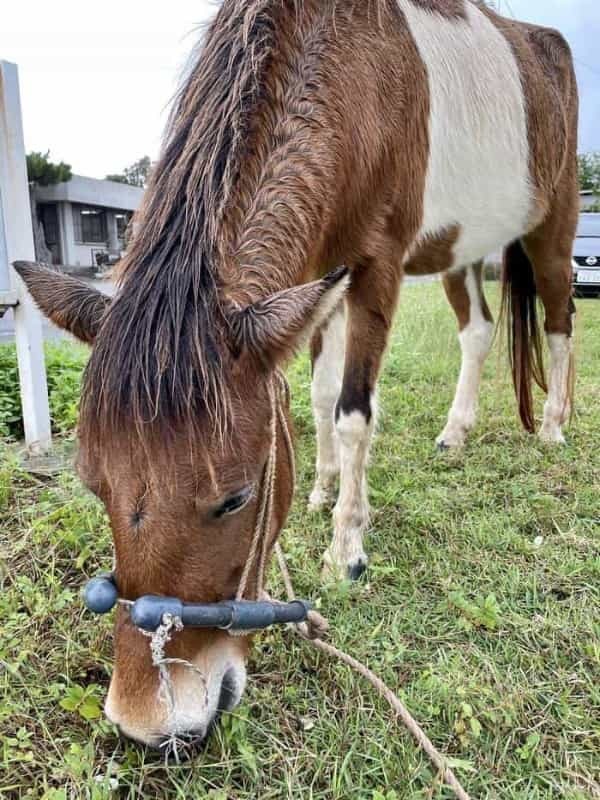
328	305
557	408
345	556
328	371
478	172
475	343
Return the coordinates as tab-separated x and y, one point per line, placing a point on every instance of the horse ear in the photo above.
275	328
68	302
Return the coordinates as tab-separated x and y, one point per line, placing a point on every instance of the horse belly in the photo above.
478	180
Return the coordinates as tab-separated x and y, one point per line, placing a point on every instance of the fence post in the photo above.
16	243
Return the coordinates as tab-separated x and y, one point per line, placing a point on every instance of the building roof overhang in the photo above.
93	192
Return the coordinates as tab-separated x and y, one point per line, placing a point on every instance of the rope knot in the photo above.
317	626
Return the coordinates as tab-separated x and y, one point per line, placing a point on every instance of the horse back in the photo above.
502	126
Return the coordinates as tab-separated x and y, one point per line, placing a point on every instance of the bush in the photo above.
10	406
64	367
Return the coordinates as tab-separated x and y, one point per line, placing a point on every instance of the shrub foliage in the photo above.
64	368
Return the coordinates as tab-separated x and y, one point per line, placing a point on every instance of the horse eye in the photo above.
234	503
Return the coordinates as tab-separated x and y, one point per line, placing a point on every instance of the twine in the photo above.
304	631
166	690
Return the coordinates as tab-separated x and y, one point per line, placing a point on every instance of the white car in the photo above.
586	256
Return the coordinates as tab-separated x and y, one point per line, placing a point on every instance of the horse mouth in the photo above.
189	746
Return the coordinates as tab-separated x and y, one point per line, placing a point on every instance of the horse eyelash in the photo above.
245	498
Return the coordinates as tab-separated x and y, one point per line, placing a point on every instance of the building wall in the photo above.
107	195
81	254
74	254
67	235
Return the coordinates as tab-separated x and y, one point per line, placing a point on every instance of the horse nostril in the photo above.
227	693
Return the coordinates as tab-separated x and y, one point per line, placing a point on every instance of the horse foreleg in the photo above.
464	290
370	308
327	355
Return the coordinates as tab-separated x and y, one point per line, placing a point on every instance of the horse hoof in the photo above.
442	447
339	570
552	435
356	571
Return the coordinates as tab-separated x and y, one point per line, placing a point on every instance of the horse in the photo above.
395	137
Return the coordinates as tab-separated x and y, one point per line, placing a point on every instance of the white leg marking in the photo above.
557	408
475	343
328	372
346	556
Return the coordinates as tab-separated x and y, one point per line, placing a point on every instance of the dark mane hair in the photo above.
158	356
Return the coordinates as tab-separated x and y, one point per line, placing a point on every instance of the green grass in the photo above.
64	365
481	609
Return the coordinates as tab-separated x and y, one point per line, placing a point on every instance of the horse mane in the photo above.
158	356
158	360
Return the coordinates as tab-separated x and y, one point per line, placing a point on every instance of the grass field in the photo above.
482	609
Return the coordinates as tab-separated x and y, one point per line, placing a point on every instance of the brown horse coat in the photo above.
394	136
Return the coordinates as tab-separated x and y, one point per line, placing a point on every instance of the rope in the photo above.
270	487
260	537
316	626
382	688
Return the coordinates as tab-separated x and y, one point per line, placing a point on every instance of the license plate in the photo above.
588	276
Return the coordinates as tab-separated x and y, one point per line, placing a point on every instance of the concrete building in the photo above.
85	219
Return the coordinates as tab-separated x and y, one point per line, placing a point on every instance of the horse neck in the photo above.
283	218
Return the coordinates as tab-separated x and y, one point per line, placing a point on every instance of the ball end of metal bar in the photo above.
100	594
147	612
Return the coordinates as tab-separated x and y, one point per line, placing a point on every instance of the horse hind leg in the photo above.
464	290
557	408
549	249
327	356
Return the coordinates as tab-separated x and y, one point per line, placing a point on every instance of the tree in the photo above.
43	172
135	175
589	171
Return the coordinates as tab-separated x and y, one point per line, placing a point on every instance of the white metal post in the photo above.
16	230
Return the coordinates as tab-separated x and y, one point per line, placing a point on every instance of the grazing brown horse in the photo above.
399	137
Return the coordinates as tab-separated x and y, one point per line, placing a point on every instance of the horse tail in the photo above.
519	310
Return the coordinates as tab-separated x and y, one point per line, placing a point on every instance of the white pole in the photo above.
16	230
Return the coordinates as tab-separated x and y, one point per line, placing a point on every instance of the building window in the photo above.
123	219
89	224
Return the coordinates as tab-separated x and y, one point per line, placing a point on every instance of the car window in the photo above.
589	225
